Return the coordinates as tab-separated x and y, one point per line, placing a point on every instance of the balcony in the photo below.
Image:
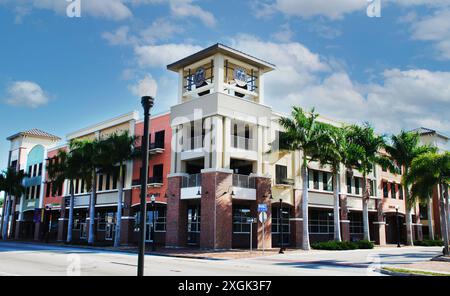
193	143
191	186
284	182
152	182
156	148
243	143
243	181
244	187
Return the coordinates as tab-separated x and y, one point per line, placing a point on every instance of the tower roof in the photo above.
220	48
428	131
37	133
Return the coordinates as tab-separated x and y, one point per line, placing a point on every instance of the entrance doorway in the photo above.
193	225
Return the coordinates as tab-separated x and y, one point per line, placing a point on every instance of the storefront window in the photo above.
321	221
356	223
240	216
194	219
284	220
105	218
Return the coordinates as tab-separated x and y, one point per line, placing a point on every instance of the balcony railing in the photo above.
151	181
243	181
156	147
193	143
243	143
191	181
284	181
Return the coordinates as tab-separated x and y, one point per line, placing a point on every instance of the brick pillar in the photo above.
18	229
15	228
297	223
216	210
263	189
62	222
176	231
38	226
345	222
126	227
380	226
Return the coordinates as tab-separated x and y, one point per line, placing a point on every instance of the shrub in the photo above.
364	244
345	245
429	243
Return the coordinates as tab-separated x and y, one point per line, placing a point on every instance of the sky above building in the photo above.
61	73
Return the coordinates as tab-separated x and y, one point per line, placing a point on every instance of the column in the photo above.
16	225
218	73
176	228
380	226
207	143
62	222
259	149
263	191
127	223
226	142
217	142
216	210
297	221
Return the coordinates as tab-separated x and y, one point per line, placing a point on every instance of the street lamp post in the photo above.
398	226
280	224
147	104
153	223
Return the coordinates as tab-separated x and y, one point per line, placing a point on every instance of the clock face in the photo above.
240	76
199	77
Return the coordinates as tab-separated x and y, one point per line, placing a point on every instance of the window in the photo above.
356	223
114	182
193	224
357	185
48	190
284	220
100	183
280	173
30	171
60	190
35	168
349	184
321	221
77	182
385	190
40	170
108	182
159	139
158	173
105	218
160	219
393	195
33	192
400	191
78	219
327	180
27	193
240	216
38	191
316	179
82	189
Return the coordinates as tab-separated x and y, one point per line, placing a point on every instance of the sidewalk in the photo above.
431	267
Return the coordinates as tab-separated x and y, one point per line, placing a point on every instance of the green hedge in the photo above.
345	245
429	243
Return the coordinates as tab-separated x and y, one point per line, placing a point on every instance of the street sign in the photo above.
262	208
262	217
251	220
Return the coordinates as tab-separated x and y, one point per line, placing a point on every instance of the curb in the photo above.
395	273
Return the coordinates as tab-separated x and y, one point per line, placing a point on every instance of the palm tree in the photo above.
88	156
363	150
303	132
335	153
427	171
12	184
68	167
115	150
403	148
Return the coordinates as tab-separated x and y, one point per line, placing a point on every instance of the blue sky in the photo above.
60	74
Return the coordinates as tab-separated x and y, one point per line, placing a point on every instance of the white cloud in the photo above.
284	34
118	37
162	55
145	87
27	94
160	30
185	8
335	9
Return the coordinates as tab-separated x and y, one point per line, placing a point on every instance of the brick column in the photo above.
216	210
345	222
38	230
176	228
263	189
297	223
380	226
126	227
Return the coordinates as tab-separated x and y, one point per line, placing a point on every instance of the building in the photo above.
213	162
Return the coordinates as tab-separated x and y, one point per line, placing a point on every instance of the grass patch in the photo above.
416	272
341	246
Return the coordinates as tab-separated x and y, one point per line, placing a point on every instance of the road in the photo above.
17	259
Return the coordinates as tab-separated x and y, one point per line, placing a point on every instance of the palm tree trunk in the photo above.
70	224
6	218
444	222
365	207
92	211
337	222
119	208
448	211
305	243
409	232
430	218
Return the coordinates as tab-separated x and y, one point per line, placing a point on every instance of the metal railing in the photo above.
193	143
243	143
191	181
243	181
284	181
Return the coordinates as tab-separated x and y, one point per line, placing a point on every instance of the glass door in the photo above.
193	225
149	227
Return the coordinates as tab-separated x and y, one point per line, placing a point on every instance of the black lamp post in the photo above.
153	223
280	224
147	104
398	226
